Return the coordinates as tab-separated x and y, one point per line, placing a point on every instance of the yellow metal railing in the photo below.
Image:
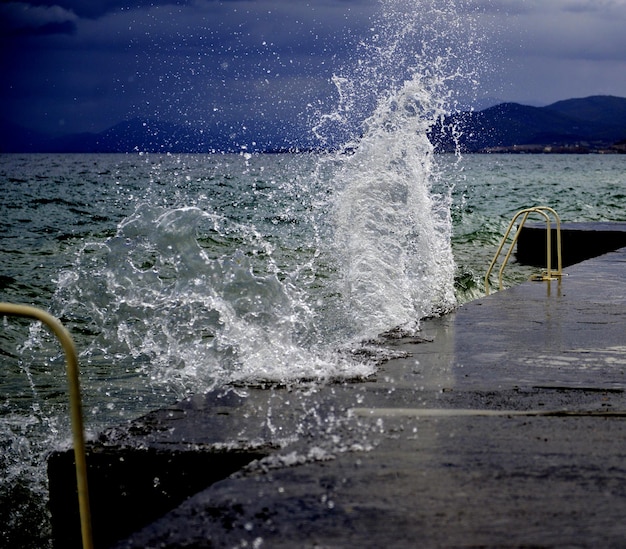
549	274
78	434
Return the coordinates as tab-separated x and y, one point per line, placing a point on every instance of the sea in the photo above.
179	274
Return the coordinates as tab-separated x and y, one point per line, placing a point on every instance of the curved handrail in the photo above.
525	213
71	359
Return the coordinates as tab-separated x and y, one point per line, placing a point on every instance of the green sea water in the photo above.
163	266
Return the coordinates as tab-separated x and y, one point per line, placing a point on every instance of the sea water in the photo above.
179	274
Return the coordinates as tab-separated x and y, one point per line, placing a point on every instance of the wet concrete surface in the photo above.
506	427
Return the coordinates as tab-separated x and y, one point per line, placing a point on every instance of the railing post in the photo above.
78	432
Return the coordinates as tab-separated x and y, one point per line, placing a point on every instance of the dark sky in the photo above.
84	65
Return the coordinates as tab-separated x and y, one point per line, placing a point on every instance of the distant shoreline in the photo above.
513	150
592	125
617	148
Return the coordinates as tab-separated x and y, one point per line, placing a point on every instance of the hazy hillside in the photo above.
592	123
14	138
595	122
603	109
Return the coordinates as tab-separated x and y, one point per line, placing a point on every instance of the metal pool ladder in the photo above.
78	435
548	274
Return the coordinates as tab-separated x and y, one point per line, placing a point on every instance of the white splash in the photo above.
392	231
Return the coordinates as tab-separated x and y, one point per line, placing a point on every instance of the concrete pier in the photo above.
580	241
504	424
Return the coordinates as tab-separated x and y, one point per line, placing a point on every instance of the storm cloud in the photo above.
71	66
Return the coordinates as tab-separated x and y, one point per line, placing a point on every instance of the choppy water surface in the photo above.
180	273
495	187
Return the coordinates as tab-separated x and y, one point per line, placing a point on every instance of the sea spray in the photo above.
199	295
392	234
244	274
437	42
32	420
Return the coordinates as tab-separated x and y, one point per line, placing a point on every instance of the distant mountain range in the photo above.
591	124
154	136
